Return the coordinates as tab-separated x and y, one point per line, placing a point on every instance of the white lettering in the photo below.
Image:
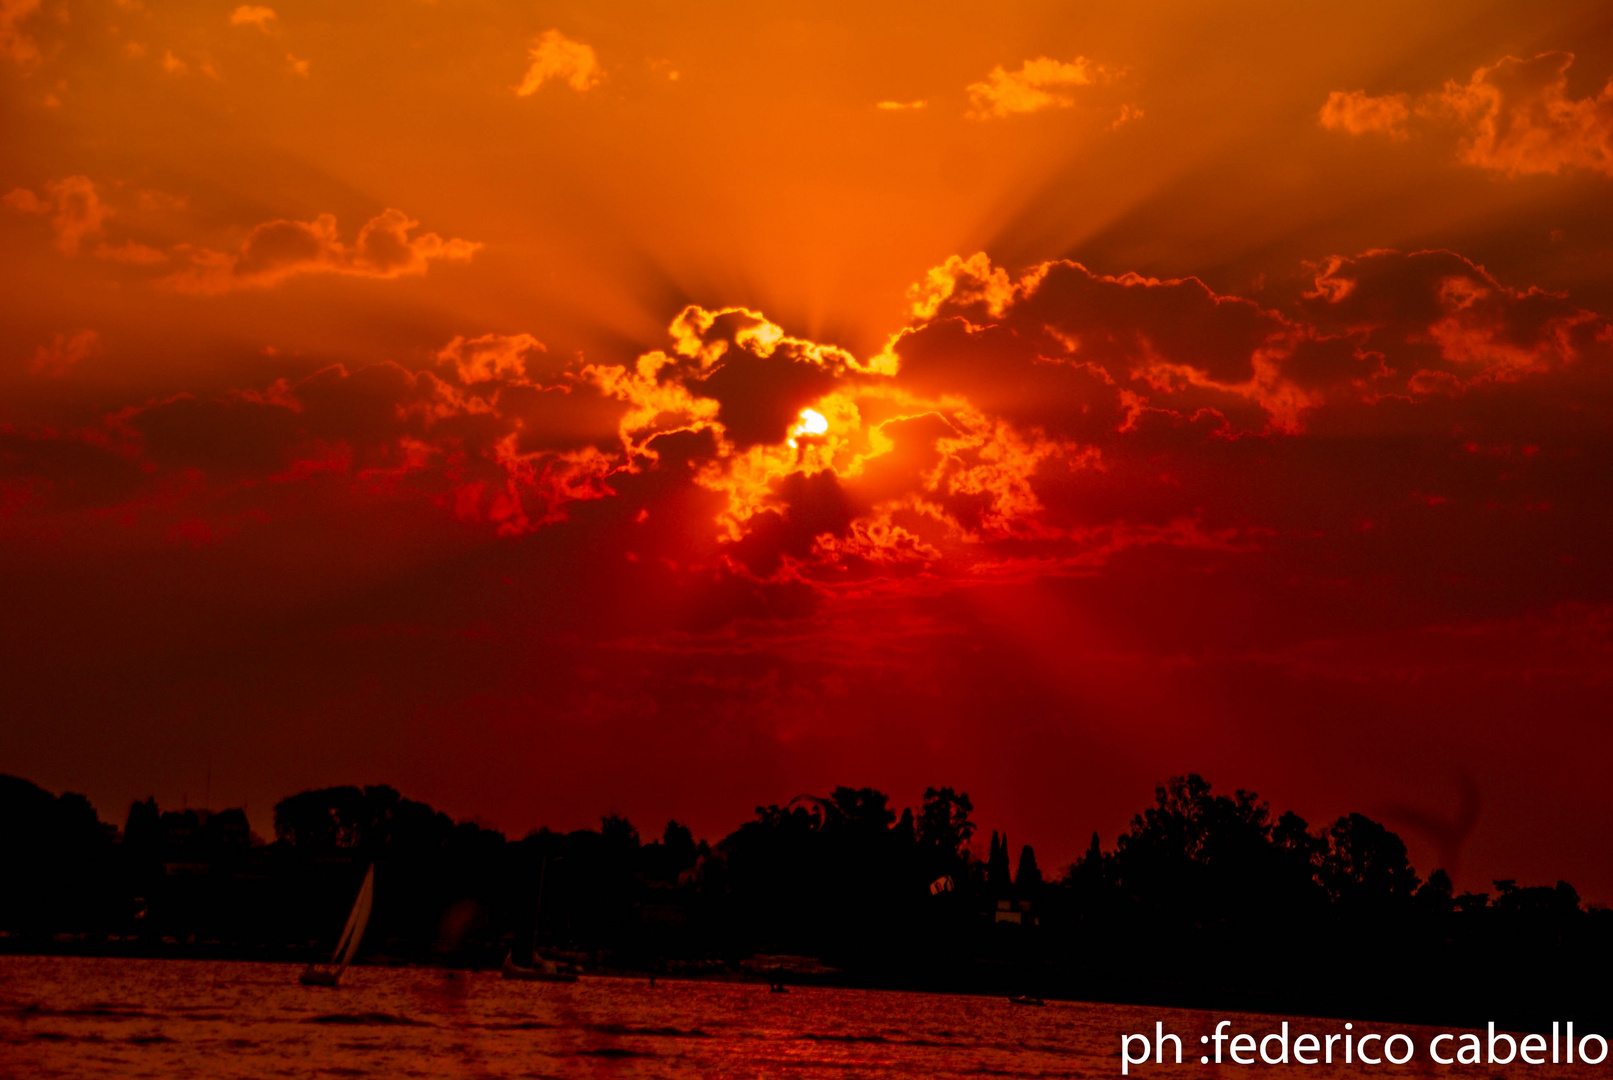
1159	1043
1512	1047
1282	1040
1126	1060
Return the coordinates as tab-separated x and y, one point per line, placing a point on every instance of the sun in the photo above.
812	422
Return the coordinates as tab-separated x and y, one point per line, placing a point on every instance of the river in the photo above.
89	1018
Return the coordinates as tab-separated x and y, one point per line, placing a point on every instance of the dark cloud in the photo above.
55	473
277	250
237	435
1071	411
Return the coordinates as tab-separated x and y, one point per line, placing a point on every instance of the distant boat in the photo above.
541	970
1025	999
347	944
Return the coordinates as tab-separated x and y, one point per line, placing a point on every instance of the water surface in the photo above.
171	1019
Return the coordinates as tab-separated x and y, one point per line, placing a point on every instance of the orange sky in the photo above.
405	392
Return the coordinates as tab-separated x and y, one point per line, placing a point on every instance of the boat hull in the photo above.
530	975
550	973
317	975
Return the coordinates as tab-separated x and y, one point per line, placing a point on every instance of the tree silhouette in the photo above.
1366	866
997	874
618	833
1207	898
1028	876
944	827
1435	896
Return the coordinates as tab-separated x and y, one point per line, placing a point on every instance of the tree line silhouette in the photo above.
1207	899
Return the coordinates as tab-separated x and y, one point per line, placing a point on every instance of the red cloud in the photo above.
1440	323
63	352
75	208
14	41
1357	112
490	357
1049	422
1516	117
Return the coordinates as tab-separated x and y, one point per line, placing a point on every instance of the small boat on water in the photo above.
346	945
542	970
1025	999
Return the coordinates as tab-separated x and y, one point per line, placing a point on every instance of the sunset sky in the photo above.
550	408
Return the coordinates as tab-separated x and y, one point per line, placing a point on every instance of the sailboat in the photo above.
541	970
347	944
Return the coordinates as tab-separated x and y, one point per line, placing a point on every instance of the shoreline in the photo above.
1225	1002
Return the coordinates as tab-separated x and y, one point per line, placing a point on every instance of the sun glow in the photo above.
812	423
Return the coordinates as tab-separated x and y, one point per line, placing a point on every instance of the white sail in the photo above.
347	944
357	919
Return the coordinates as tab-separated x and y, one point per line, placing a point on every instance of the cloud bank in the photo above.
1514	117
1032	423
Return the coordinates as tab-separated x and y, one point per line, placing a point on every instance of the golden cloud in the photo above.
1042	83
252	15
1128	114
556	57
